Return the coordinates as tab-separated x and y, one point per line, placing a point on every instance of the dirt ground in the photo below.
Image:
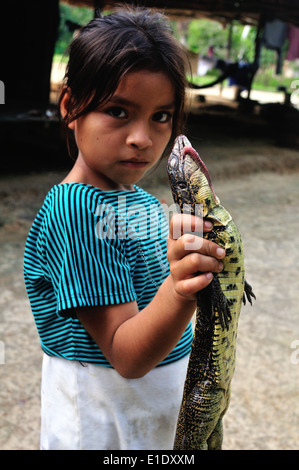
259	184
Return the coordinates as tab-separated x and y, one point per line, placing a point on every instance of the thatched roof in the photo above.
245	11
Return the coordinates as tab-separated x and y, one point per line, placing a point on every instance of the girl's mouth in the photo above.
134	164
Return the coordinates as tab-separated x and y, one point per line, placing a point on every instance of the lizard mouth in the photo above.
187	149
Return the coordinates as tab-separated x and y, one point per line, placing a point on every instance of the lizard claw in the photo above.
212	300
248	293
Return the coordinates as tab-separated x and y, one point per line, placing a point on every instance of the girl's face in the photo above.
121	140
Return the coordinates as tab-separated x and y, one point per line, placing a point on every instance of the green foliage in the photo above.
79	15
202	34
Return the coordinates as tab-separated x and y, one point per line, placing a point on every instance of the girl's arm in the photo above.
135	342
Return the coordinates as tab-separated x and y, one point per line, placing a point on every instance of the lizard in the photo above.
212	358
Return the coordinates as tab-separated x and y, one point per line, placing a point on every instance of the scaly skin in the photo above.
213	354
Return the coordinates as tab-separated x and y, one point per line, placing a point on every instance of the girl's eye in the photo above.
117	112
162	116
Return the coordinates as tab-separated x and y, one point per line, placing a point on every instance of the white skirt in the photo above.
90	407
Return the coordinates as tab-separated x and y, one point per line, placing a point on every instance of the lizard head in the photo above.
189	178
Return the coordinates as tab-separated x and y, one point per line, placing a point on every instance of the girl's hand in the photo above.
135	341
192	259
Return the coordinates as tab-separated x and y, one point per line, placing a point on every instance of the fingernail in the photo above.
208	224
220	252
209	275
220	266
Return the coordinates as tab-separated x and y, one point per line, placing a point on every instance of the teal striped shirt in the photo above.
89	247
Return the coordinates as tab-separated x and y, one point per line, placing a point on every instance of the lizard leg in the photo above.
212	300
216	438
203	409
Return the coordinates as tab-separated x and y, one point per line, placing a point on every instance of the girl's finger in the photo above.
190	287
193	263
186	223
191	243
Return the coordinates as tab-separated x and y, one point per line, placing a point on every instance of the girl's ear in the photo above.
64	103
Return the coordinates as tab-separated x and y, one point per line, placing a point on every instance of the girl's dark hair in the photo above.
109	47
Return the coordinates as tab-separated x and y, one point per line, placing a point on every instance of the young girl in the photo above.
112	298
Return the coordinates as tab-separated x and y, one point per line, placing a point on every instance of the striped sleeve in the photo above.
85	270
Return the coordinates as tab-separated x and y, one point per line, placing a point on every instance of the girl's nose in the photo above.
139	136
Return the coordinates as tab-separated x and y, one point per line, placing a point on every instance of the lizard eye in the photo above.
182	185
